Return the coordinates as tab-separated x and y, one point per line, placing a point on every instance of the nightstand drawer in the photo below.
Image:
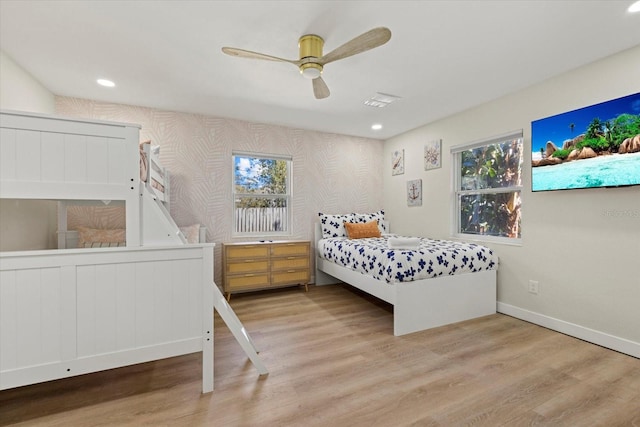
247	281
289	263
290	249
247	251
248	266
289	277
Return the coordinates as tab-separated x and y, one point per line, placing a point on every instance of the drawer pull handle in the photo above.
249	275
291	271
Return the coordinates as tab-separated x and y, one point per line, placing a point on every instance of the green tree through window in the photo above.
261	190
488	183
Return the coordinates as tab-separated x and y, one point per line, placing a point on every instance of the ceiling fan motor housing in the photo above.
310	47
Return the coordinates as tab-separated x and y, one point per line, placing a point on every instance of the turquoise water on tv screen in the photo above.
602	171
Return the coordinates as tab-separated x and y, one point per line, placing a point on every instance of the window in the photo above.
487	186
261	194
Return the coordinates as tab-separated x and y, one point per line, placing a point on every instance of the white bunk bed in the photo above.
73	311
155	185
418	304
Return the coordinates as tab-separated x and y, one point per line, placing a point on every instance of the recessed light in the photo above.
105	83
376	126
635	7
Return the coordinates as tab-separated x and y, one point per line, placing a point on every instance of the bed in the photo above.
87	237
154	180
424	294
68	312
77	311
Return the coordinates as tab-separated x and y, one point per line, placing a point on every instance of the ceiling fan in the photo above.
312	60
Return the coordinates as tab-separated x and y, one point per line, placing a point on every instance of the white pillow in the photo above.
191	233
333	225
375	216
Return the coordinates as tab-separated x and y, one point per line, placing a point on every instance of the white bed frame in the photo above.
420	304
156	204
73	311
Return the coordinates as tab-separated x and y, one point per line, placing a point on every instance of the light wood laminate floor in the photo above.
334	361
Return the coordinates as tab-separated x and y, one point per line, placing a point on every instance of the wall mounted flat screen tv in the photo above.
595	146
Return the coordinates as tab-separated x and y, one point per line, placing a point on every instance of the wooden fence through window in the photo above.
257	220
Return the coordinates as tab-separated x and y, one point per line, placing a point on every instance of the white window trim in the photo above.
288	195
456	194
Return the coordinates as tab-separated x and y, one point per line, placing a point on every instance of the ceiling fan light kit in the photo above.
311	70
312	61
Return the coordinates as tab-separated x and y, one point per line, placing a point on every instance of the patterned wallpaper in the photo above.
331	173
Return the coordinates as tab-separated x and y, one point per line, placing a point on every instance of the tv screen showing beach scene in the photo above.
595	146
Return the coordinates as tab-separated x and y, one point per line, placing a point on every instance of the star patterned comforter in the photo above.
372	256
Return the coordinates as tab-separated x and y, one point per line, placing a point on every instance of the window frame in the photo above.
457	193
288	196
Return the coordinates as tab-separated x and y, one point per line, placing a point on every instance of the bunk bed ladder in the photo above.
158	227
237	329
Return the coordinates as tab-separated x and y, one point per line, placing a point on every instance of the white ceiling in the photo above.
443	57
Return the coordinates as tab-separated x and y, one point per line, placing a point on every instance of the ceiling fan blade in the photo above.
255	55
362	43
320	89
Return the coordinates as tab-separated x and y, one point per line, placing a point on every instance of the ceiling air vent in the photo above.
380	100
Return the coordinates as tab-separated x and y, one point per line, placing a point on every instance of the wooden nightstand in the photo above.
252	266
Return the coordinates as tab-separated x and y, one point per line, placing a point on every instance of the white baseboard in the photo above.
596	337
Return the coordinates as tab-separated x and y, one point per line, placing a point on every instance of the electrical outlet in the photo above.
533	287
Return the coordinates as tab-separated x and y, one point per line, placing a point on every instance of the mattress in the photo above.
433	258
